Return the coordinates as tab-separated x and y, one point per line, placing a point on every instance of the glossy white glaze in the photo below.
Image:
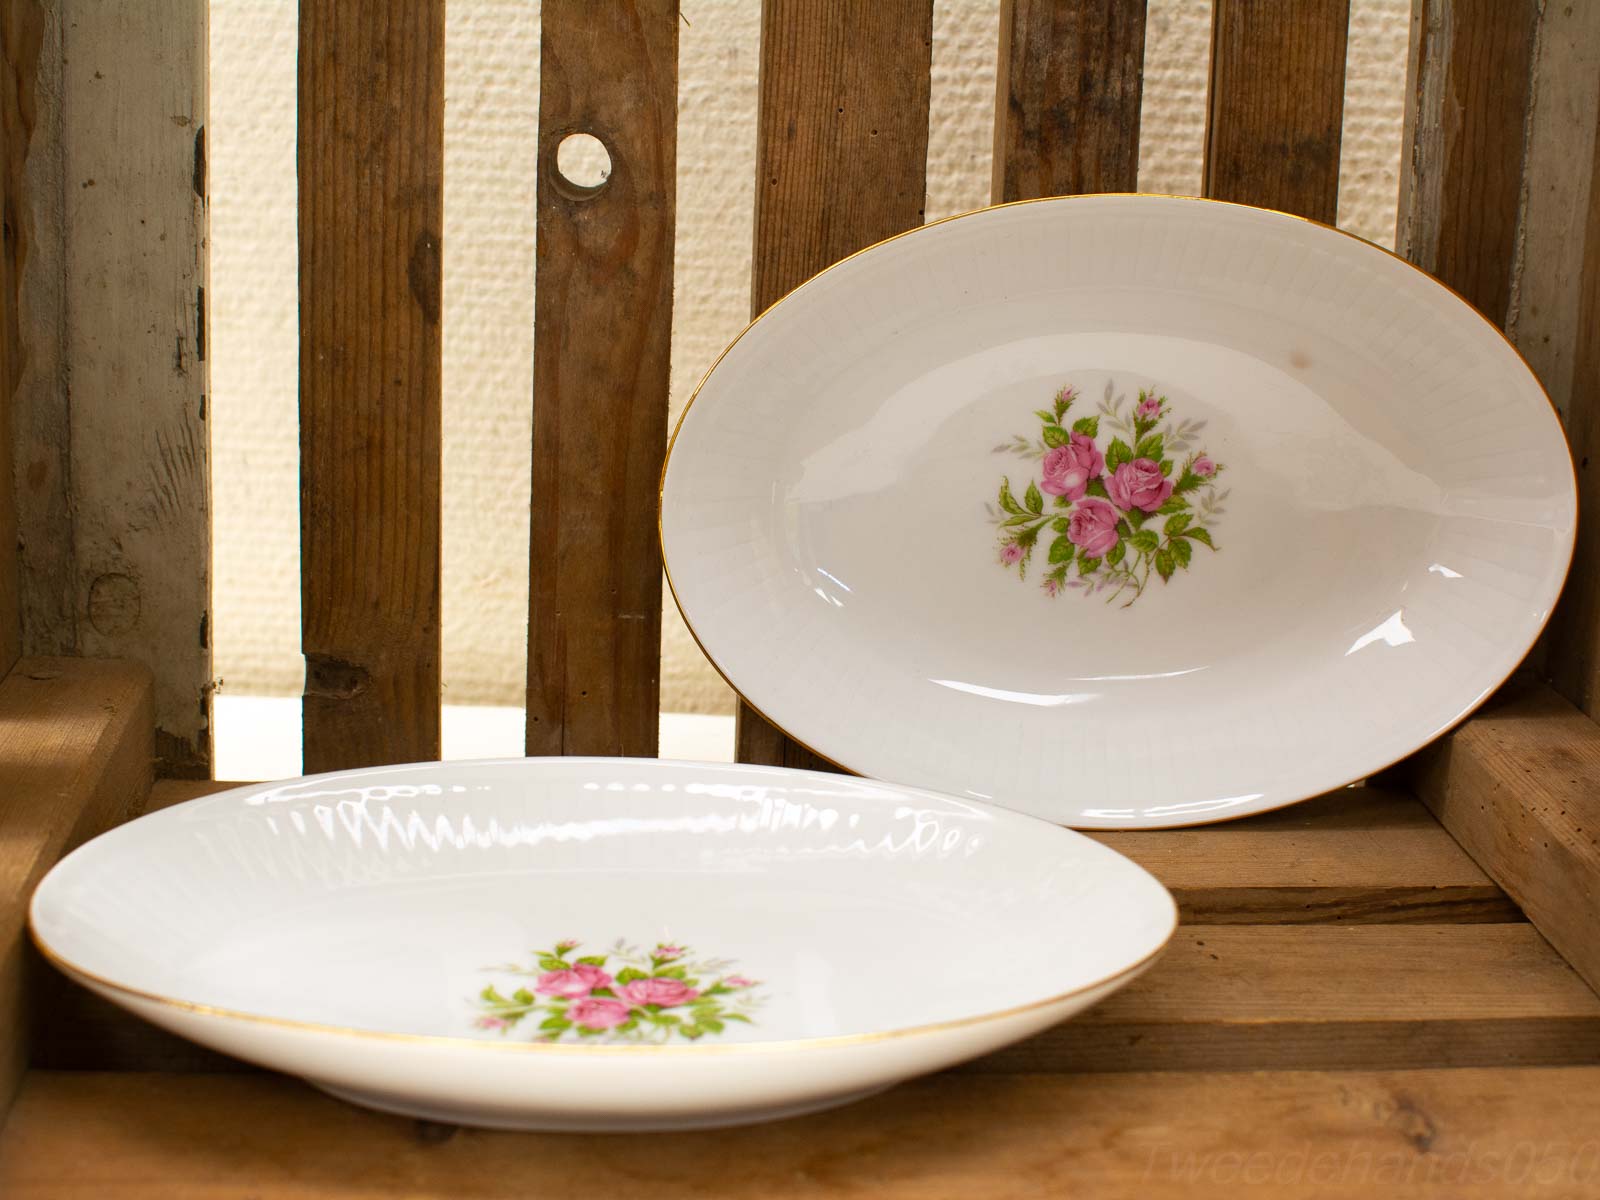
1399	511
344	928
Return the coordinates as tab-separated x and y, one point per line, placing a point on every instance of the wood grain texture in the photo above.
112	445
371	168
841	163
1401	1135
1267	997
602	334
1467	92
1519	787
21	39
1572	645
76	754
1070	80
1276	107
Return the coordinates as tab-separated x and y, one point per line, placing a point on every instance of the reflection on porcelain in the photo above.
443	939
1322	505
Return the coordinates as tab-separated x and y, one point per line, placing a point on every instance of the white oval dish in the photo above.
1362	497
821	937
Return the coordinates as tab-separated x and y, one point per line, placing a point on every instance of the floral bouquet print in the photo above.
621	996
1114	516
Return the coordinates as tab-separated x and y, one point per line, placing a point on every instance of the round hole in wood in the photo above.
583	165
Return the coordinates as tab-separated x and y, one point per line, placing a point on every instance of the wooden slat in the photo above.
371	166
1519	787
602	333
1439	1135
1268	997
1067	99
112	445
76	752
1358	855
841	163
1461	165
21	39
1277	104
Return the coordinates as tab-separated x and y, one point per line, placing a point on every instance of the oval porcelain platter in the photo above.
603	944
1123	511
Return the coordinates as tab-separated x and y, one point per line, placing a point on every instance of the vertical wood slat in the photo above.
1070	80
371	166
841	163
1467	94
21	38
1277	104
602	332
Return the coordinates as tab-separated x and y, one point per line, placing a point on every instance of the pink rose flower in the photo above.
1068	469
739	981
668	952
665	992
492	1023
1051	587
1150	406
1139	484
597	1012
569	985
565	944
1011	554
1204	467
1093	527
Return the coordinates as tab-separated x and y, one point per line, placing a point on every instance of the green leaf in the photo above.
1181	550
1023	519
1088	566
1200	535
662	1018
629	974
1166	467
630	1023
1061	550
672	973
604	992
1045	415
1033	499
1028	537
1177	524
1164	563
1097	487
1116	553
550	962
523	996
556	1023
1087	425
1063	402
1174	504
1137	517
593	960
690	1031
490	996
737	1017
1007	500
1152	446
1145	541
1117	453
712	1024
1054	435
1187	482
1061	524
1143	425
1124	528
585	1031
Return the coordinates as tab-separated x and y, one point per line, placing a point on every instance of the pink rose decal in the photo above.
1204	467
739	981
1139	484
666	953
1093	527
597	1012
1011	554
666	992
579	981
1068	469
1149	407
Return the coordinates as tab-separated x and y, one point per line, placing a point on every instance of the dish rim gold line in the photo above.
780	1045
1443	731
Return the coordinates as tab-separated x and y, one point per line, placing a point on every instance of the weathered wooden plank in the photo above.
371	169
1277	104
841	163
1439	1135
1269	997
1467	90
114	507
602	334
76	753
1067	98
1358	855
1519	787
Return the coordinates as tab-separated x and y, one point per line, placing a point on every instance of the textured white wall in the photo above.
491	108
